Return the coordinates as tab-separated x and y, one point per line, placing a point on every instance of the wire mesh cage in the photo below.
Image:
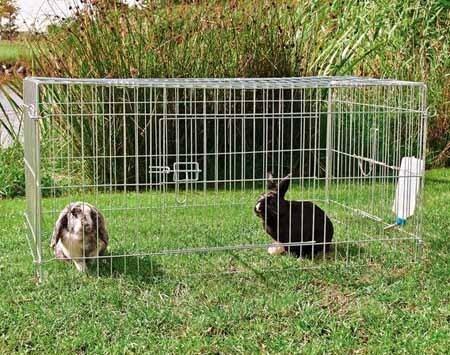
326	168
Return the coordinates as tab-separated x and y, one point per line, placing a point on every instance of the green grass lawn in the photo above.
12	51
274	305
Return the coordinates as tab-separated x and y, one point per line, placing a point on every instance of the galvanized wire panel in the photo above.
178	165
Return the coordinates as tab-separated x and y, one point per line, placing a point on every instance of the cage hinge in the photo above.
31	112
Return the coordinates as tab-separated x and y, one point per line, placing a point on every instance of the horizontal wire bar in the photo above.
238	83
390	109
193	154
235	247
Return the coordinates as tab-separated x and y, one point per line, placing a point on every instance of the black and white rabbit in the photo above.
79	233
293	221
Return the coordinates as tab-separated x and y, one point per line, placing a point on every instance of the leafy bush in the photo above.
12	173
12	176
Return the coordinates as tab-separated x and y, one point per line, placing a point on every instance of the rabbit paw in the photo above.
276	249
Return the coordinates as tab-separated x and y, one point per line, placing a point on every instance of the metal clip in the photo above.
31	112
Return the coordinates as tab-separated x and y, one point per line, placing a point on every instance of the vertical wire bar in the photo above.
279	163
422	154
163	132
234	144
336	127
83	181
217	121
353	149
194	118
399	143
328	144
317	152
153	148
105	154
385	182
231	147
205	155
35	100
103	146
51	158
216	141
71	145
190	127
243	140
224	152
340	126
125	152
347	136
95	149
254	140
177	146
410	136
147	156
273	132
377	112
136	162
291	151
281	115
388	173
303	145
265	147
187	154
112	166
264	133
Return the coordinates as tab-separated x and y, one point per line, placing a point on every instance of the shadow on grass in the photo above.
145	269
136	268
347	251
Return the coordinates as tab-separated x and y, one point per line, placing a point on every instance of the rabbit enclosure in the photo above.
176	167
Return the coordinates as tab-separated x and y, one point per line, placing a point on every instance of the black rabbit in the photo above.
293	221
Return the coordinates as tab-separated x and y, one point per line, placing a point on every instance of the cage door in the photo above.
181	156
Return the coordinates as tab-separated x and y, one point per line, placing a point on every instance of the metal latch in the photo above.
158	169
186	172
183	174
182	171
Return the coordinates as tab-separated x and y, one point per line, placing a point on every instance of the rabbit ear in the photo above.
60	225
271	185
99	224
284	185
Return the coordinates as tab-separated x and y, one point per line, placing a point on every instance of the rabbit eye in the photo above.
76	212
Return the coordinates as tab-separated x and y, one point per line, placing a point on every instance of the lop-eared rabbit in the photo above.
293	221
79	233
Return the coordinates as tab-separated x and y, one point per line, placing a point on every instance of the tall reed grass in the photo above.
397	39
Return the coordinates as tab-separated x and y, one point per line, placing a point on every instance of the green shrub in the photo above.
12	176
12	173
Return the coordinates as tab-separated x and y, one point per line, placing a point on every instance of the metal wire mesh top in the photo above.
235	83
